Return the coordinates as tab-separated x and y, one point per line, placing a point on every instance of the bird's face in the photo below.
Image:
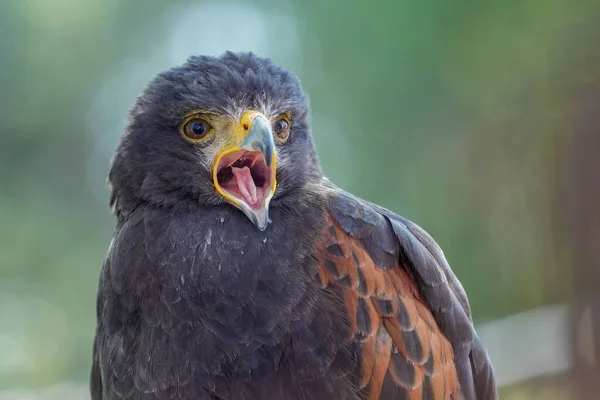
231	130
242	156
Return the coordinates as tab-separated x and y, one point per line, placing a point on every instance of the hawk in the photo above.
237	270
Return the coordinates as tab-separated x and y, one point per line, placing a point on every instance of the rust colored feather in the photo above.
323	278
386	312
351	301
367	361
367	318
383	353
436	386
404	373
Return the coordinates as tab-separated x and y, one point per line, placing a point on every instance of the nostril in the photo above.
245	127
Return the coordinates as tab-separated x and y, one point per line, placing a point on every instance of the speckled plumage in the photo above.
336	299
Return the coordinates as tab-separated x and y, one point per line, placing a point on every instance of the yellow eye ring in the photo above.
281	128
196	129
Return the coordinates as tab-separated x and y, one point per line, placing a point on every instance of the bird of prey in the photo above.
237	270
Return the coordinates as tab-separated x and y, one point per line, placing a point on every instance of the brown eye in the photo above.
282	128
196	129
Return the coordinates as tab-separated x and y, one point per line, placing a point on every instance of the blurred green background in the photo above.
447	112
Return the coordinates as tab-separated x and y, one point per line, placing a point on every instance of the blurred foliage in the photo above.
445	112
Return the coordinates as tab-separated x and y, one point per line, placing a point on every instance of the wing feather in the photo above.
408	312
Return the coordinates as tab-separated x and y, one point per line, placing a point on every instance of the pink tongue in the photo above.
245	183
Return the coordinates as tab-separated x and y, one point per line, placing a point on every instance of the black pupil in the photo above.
280	127
198	128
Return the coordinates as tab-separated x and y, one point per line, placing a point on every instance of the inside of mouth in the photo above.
245	175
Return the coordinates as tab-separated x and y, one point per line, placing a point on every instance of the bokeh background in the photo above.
477	119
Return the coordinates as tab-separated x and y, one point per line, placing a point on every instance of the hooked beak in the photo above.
244	172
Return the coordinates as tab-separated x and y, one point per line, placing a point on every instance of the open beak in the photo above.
244	172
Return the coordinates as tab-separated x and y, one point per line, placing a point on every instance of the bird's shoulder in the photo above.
407	308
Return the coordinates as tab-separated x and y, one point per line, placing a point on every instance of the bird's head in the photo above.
230	129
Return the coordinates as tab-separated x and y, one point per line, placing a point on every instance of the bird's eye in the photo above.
282	128
196	129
